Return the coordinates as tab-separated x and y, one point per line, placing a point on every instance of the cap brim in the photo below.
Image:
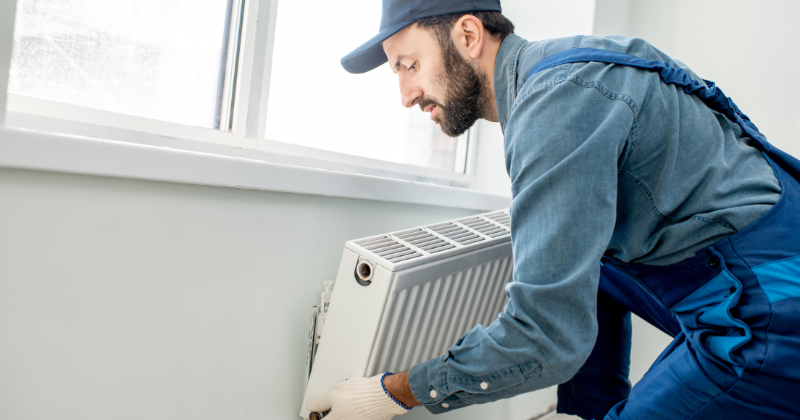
370	54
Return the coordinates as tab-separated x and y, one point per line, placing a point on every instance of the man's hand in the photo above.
363	399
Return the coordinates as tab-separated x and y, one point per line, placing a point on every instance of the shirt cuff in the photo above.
441	391
428	383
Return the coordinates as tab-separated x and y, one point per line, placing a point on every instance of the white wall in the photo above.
750	48
135	299
490	166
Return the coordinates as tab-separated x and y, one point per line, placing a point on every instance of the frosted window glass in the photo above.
314	102
159	59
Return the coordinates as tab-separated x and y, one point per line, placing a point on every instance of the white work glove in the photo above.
357	399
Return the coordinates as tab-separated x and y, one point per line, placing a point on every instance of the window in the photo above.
313	102
164	60
236	73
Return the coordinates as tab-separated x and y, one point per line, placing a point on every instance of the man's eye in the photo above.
413	67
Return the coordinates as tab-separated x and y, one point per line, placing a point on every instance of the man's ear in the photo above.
468	34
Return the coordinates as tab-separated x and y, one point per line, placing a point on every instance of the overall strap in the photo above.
712	96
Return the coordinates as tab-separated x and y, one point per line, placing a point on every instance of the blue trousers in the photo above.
734	313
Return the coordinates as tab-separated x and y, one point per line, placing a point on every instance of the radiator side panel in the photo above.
349	333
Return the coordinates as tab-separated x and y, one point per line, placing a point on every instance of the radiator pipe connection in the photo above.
365	270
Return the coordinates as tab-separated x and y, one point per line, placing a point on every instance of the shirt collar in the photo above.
506	69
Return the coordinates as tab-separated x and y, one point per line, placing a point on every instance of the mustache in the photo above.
424	102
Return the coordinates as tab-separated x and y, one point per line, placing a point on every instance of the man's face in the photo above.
434	76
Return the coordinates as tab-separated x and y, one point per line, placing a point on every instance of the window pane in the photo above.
314	102
159	59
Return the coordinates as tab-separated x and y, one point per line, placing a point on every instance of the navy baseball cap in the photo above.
396	15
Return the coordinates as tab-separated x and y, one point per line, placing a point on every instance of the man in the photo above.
636	187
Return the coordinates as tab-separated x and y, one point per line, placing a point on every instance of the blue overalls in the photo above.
733	309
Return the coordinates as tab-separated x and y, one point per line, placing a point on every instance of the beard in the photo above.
464	87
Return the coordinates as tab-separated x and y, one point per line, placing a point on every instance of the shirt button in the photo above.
445	405
433	393
484	385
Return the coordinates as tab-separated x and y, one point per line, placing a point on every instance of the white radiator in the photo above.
404	297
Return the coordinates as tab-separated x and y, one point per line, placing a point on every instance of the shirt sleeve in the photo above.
563	144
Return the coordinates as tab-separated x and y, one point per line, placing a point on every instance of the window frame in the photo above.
249	114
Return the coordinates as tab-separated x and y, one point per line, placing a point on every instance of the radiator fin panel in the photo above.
427	319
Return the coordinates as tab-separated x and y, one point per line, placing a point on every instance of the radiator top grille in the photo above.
416	246
425	241
457	233
389	249
493	230
501	217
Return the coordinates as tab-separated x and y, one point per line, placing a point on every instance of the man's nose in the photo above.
409	94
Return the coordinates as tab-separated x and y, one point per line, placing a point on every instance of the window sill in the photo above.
28	149
58	117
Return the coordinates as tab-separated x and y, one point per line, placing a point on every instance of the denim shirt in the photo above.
603	159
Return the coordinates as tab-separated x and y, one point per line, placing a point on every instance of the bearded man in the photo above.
637	187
